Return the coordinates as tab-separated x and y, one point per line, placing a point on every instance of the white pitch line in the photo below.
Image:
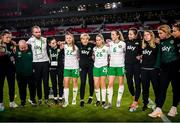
163	117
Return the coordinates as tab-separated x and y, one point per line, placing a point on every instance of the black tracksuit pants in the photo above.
84	71
133	70
23	82
8	71
148	76
41	72
168	73
57	77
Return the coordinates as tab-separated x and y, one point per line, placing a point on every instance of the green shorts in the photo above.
116	71
102	71
74	73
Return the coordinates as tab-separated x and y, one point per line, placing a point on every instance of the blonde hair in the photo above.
37	27
102	37
85	35
73	41
121	37
152	40
166	29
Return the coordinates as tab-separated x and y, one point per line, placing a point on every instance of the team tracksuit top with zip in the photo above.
168	63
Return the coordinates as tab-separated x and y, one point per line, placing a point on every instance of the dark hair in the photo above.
177	25
49	39
4	32
136	32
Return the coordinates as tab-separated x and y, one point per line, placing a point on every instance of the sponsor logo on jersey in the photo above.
131	48
166	49
147	52
37	47
84	52
54	55
29	53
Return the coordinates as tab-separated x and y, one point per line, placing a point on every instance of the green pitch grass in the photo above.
90	113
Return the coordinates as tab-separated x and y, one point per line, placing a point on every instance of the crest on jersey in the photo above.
120	46
89	48
19	53
11	47
137	43
172	42
103	50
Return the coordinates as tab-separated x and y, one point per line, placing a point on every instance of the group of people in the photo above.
142	59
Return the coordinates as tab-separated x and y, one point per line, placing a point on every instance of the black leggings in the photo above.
168	73
8	71
148	76
56	75
84	71
133	70
41	72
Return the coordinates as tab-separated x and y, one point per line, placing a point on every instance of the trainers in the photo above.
81	104
118	104
133	107
103	104
13	105
73	102
1	107
156	113
40	102
47	102
32	102
173	112
65	104
90	101
55	101
109	105
60	101
97	103
144	108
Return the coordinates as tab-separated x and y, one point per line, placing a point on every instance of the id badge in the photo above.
54	63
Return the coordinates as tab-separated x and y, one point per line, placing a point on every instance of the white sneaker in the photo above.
108	106
65	104
173	112
118	104
1	107
156	113
73	102
13	105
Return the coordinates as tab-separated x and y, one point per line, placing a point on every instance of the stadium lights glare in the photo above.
114	5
